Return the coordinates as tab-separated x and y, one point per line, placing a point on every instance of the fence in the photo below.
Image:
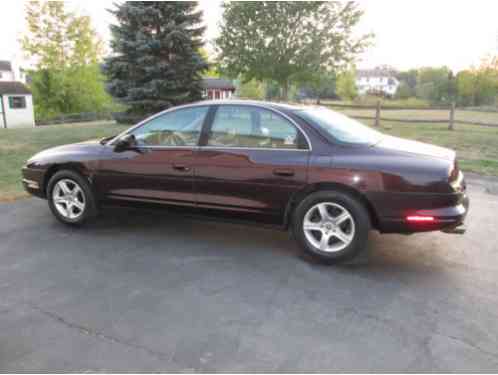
451	120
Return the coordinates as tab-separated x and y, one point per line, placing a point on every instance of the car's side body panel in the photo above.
249	179
412	185
159	174
81	157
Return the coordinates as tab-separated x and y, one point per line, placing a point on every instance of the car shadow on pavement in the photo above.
207	236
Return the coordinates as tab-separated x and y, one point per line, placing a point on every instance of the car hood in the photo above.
402	145
91	147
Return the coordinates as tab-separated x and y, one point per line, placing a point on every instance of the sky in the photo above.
408	33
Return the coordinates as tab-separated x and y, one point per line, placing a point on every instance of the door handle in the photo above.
181	167
283	172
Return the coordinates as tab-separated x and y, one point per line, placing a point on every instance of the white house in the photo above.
16	101
376	81
11	72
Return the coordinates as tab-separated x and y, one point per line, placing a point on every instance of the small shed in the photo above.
16	105
217	88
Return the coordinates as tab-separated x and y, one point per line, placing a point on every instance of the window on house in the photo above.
17	102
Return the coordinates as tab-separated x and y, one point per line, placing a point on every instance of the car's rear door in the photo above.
251	159
160	168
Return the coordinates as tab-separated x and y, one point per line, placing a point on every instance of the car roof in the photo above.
279	106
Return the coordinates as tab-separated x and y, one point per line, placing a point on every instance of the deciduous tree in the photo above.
282	40
346	85
65	51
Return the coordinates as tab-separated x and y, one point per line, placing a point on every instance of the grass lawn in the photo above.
476	146
18	145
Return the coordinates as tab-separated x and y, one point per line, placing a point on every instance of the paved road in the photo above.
140	292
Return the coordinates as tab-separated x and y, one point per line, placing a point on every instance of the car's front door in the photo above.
250	159
160	167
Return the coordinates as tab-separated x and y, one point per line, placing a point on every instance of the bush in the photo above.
251	90
346	85
67	91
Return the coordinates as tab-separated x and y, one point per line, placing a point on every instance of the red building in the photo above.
217	88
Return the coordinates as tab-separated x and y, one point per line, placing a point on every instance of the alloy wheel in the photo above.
68	199
329	227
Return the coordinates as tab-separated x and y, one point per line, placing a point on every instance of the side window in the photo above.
17	102
245	126
178	128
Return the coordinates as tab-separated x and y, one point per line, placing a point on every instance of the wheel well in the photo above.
59	167
330	186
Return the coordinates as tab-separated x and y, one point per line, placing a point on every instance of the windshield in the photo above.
339	126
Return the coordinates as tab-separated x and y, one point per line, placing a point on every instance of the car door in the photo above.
160	167
250	159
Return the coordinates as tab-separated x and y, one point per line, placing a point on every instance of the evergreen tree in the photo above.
156	62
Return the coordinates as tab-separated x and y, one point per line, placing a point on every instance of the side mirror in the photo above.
127	142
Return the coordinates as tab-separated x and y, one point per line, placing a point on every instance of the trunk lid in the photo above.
414	147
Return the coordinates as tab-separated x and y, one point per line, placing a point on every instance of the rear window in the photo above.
339	126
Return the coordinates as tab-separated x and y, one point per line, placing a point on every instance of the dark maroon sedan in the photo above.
325	176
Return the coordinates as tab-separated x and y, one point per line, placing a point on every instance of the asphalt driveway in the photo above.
136	292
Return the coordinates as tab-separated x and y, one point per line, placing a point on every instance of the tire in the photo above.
341	236
76	203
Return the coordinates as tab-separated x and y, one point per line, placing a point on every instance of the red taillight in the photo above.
418	219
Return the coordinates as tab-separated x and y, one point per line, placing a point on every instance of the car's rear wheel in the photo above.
331	226
70	198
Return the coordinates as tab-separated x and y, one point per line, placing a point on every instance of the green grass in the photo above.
18	145
476	146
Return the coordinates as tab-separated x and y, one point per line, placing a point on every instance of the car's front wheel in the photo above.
331	226
70	198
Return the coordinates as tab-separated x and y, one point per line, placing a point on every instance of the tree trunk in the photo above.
452	116
285	90
377	114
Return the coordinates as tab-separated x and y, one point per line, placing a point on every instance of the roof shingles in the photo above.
5	65
217	83
15	88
